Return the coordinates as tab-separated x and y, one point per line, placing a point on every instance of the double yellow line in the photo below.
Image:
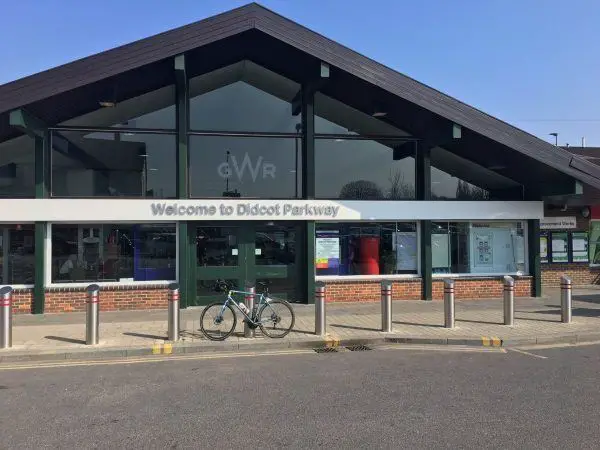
491	341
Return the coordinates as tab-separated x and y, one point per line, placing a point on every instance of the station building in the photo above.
248	148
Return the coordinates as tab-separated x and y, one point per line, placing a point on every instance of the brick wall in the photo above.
111	299
22	301
481	288
370	291
580	273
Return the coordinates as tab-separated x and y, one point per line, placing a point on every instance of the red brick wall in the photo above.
580	274
481	288
111	299
370	291
22	301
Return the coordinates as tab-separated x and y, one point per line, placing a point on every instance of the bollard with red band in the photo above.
6	317
509	301
449	303
174	320
320	319
92	315
566	300
386	306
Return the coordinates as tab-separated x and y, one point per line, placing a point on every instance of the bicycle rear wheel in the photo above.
276	318
217	323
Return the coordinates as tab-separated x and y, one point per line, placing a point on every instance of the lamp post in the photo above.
555	138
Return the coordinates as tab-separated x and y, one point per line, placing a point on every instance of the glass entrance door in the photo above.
245	253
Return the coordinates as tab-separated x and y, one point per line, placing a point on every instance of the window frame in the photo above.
48	283
399	276
8	225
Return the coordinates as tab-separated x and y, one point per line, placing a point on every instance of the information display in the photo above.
579	245
560	247
328	251
405	243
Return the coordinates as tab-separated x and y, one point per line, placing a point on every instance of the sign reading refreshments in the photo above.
558	223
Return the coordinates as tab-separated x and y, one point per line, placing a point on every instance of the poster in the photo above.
327	251
544	249
405	244
484	248
440	253
560	247
579	244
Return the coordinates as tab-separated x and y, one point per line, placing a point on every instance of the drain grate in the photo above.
358	348
326	350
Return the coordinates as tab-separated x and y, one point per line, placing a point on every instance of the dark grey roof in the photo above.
253	16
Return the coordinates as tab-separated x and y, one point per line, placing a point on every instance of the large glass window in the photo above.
366	249
478	247
259	167
353	169
107	164
243	97
104	252
447	187
152	110
17	168
17	254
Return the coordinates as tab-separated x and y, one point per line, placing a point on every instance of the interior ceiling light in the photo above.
107	104
379	114
497	167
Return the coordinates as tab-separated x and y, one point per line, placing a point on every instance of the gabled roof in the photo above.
253	16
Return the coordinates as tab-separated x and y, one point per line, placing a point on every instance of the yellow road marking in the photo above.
486	341
442	348
167	348
49	365
496	342
156	348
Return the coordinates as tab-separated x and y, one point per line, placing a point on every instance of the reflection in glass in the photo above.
17	254
17	168
275	245
217	246
447	187
478	247
103	252
257	167
365	170
366	248
105	164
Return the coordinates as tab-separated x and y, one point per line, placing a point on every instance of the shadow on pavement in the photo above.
351	327
587	298
64	339
458	319
146	336
428	325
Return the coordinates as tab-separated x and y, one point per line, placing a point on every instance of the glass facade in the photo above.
256	167
113	164
364	248
447	187
118	253
17	167
484	248
17	254
351	169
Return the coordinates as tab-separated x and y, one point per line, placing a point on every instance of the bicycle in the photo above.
275	325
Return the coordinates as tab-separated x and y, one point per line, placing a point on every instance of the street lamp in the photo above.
555	138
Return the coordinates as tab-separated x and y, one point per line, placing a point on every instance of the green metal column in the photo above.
423	193
533	240
308	188
186	254
42	190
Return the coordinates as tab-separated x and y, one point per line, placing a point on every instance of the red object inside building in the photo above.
369	255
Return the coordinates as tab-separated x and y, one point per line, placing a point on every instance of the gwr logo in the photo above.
228	168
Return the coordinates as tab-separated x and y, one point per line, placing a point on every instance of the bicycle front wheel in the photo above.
218	322
276	318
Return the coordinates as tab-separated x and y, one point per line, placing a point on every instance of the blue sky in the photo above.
533	63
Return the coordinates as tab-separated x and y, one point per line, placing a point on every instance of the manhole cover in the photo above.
358	348
326	350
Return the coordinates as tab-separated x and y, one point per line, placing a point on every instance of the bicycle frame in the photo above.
262	299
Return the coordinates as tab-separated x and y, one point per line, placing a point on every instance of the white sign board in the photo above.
558	223
144	210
